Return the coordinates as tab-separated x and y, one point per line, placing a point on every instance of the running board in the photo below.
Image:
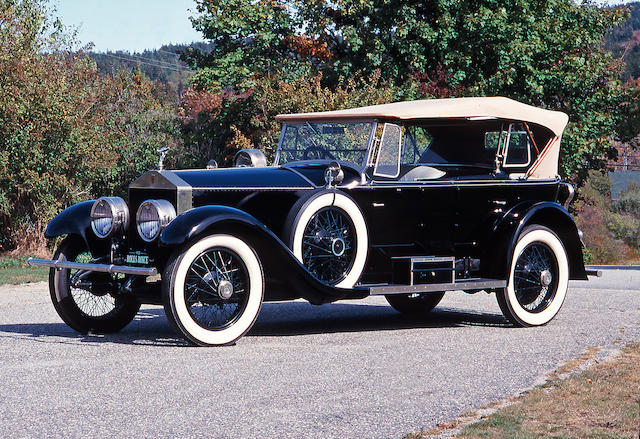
463	284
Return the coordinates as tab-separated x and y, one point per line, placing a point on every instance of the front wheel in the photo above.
538	279
213	290
413	304
87	301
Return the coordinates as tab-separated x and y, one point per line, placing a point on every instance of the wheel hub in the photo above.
337	246
546	278
225	289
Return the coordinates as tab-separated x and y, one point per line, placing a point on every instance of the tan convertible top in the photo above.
546	164
491	107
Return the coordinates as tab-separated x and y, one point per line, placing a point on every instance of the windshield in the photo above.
325	141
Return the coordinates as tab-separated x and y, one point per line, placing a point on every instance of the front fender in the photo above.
504	235
202	219
74	220
285	276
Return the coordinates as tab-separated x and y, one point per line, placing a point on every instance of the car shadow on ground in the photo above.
151	327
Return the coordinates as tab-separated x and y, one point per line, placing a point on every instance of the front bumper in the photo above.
105	268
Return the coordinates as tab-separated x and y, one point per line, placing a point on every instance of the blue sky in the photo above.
132	25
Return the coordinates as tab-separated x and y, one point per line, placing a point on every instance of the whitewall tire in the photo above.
213	290
538	278
328	234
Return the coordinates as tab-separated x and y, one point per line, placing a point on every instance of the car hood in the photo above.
225	178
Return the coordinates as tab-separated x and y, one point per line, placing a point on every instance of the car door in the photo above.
410	209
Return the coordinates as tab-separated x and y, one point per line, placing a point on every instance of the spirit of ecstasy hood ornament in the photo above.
163	152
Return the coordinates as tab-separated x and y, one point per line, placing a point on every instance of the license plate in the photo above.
137	258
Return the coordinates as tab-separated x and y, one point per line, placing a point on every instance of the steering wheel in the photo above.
316	153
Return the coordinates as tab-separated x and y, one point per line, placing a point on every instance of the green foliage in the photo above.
66	133
216	125
623	41
549	54
611	229
247	38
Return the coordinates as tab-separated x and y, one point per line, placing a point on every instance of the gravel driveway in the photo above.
353	369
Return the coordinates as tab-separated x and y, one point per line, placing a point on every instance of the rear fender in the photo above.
504	235
286	278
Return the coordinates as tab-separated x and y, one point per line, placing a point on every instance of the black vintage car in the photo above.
406	200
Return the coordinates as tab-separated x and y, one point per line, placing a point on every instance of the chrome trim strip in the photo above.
256	188
457	183
104	268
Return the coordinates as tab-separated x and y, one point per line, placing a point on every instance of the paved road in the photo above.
347	370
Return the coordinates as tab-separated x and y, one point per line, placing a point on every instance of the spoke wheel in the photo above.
536	277
538	280
216	288
329	245
83	299
327	233
212	290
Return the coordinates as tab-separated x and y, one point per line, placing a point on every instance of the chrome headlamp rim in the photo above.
164	212
119	214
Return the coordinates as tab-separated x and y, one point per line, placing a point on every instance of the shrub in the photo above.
629	201
66	132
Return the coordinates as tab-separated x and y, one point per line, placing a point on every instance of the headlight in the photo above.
109	215
152	217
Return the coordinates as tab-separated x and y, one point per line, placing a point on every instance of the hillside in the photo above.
624	41
163	64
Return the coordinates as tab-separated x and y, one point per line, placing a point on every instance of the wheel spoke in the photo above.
535	263
328	228
207	306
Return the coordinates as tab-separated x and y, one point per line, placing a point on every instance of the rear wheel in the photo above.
87	301
213	289
538	279
418	303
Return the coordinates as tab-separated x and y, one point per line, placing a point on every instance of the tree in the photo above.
66	133
548	53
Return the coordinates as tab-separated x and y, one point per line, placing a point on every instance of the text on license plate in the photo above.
136	258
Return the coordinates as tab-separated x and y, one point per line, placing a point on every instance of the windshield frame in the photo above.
361	167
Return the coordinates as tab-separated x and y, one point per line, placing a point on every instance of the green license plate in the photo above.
137	258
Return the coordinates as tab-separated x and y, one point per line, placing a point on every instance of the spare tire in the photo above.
327	232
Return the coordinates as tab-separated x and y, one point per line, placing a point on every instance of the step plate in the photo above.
467	284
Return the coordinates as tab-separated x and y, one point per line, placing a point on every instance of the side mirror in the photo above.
250	158
212	164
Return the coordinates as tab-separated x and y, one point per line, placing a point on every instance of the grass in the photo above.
599	402
16	271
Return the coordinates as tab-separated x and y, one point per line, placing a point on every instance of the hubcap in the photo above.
337	247
546	278
225	289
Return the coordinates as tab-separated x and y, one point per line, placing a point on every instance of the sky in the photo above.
133	25
136	25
